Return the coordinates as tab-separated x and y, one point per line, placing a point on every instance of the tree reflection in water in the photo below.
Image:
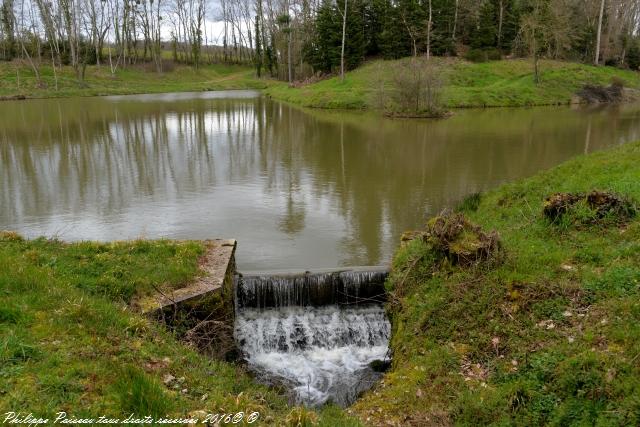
299	189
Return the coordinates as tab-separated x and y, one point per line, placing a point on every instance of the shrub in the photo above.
633	57
415	90
483	55
596	207
454	238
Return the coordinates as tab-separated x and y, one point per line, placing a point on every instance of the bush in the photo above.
166	66
494	54
633	57
415	91
453	237
483	55
596	207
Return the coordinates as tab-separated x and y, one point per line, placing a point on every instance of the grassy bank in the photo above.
466	84
70	341
549	336
19	80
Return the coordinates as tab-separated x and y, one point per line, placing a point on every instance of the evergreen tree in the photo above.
322	52
373	18
258	48
355	44
393	42
8	45
510	25
442	42
633	56
485	35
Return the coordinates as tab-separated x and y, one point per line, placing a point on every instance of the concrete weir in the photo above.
315	333
218	268
346	286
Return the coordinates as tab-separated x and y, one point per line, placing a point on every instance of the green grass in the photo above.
130	80
549	337
70	340
490	84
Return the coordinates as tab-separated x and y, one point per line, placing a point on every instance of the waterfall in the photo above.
315	334
355	286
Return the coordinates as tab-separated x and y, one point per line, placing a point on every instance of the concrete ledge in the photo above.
217	265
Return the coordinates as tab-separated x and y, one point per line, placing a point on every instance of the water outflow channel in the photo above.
316	334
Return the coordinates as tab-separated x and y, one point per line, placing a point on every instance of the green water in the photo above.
298	189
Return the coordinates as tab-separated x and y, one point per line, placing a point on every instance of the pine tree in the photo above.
442	42
486	32
392	40
355	46
633	56
258	48
7	26
322	52
510	25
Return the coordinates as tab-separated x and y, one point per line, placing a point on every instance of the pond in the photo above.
299	189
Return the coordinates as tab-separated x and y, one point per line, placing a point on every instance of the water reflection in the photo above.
298	189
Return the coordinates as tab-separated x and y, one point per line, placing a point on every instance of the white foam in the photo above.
321	353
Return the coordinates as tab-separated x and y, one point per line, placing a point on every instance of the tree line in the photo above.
334	33
297	39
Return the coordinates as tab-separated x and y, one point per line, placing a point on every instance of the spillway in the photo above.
315	334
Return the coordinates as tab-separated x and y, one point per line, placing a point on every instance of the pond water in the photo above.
299	189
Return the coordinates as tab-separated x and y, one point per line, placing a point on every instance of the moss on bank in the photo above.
70	341
550	336
506	83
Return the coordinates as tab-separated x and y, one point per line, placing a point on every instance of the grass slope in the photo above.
69	340
549	337
99	80
490	84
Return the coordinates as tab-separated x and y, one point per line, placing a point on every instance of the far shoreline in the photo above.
507	86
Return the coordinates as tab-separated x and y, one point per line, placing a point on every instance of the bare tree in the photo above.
344	36
599	33
415	90
33	56
429	26
531	36
7	29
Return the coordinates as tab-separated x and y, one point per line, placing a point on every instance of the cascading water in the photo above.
316	334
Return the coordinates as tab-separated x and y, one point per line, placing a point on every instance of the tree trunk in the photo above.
429	31
344	33
455	22
599	34
536	68
500	18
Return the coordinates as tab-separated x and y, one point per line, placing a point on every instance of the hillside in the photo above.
69	340
466	84
19	80
546	334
